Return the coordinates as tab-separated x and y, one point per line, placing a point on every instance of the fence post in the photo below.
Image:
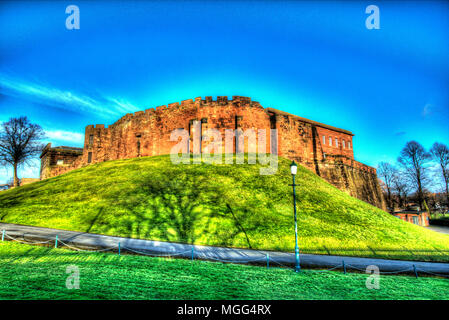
119	248
193	253
268	261
56	241
416	272
344	267
3	235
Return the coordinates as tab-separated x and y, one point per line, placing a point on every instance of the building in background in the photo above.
57	160
420	218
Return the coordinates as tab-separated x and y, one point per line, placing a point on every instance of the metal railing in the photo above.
207	256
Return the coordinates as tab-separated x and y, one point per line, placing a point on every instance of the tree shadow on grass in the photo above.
178	207
92	223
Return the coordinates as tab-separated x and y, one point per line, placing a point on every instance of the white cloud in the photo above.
4	174
426	110
64	99
59	135
29	170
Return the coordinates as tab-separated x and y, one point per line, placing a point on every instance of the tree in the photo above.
387	173
440	153
402	188
414	159
19	142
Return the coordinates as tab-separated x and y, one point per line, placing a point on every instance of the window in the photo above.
138	136
99	140
330	141
238	121
344	143
89	157
349	145
60	162
238	125
91	140
324	140
192	128
336	142
203	126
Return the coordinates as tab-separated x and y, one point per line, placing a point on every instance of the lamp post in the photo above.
293	170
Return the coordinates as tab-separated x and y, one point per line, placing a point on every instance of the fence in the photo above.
191	253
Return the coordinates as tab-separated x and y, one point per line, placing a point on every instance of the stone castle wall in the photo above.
322	148
58	160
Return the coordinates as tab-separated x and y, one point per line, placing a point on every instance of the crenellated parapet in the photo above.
198	102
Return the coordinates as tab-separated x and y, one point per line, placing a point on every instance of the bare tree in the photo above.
387	173
402	188
414	159
440	153
19	142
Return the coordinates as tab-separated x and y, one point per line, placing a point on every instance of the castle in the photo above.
326	150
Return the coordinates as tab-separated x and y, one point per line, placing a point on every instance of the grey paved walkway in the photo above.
440	229
96	241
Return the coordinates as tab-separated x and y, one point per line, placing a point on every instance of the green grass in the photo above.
222	205
443	217
32	272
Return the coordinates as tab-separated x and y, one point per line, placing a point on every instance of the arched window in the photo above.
349	145
324	140
336	142
330	141
344	143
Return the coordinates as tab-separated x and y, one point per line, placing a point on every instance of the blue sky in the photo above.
313	59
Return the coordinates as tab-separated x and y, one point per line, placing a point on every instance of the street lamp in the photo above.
293	170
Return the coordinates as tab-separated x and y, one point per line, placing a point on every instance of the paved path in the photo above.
440	229
98	242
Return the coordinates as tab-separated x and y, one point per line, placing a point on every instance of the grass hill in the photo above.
222	205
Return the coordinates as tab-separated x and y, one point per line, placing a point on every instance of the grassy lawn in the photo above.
222	205
33	272
440	217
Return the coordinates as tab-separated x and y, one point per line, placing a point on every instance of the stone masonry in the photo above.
326	150
57	160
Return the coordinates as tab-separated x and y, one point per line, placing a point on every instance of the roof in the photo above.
68	148
48	147
409	212
318	124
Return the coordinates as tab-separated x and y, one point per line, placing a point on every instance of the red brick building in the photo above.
325	149
420	218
